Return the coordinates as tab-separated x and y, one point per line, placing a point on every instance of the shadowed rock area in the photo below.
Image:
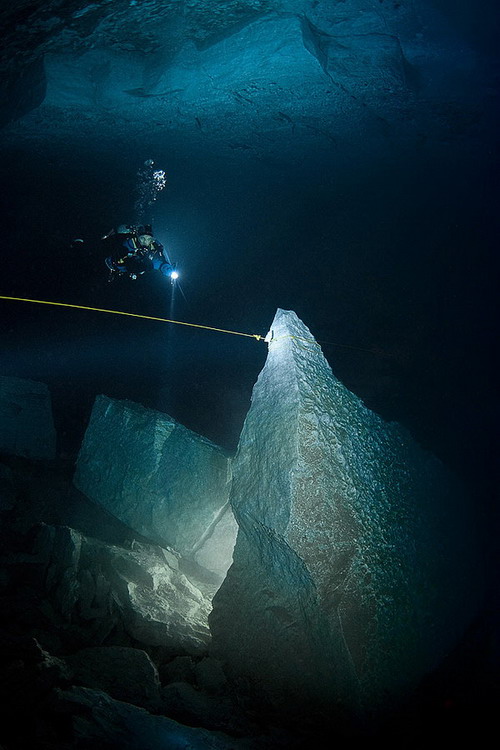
355	570
352	579
102	638
337	158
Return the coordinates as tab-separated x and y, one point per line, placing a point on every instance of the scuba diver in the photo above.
134	251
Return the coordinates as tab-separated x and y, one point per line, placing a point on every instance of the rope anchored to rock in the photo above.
256	336
268	338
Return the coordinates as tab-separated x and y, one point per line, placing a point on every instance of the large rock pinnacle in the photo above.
352	570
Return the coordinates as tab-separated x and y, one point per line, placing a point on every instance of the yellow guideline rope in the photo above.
133	315
255	336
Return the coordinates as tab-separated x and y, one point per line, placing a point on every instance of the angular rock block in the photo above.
161	479
91	589
26	423
354	565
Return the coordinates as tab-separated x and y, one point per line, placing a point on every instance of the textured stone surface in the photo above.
240	75
352	572
26	424
161	479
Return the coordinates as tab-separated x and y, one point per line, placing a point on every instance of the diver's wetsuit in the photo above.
131	258
123	256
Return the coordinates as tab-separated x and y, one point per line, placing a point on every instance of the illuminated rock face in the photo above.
26	424
93	589
161	479
352	568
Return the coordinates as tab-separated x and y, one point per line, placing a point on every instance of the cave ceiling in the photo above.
244	76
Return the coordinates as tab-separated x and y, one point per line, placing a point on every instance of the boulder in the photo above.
26	423
210	676
179	669
161	479
93	592
355	563
357	50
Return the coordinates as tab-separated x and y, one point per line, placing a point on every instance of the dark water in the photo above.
396	258
391	260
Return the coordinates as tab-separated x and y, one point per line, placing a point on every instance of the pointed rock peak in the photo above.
287	328
287	323
354	566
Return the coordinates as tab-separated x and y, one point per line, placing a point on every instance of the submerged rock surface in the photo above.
101	721
161	479
257	76
101	639
353	570
91	589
